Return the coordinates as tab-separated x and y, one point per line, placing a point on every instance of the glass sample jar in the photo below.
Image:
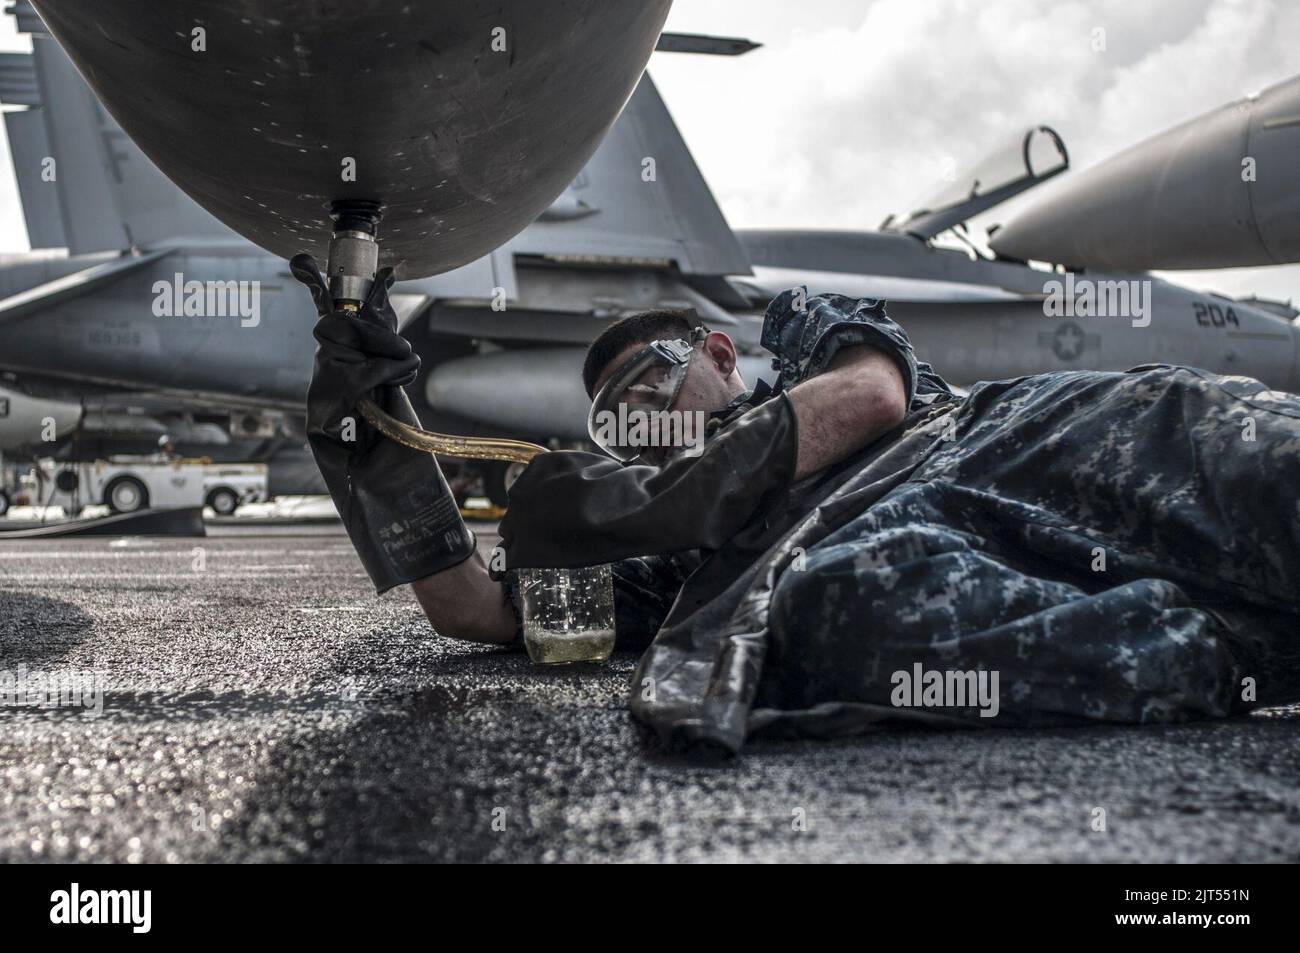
568	614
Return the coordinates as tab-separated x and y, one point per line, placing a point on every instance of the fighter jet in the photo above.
502	336
1219	191
162	319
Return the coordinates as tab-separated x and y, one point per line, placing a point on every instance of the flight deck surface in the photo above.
261	704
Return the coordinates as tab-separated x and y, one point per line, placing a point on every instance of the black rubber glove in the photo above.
570	508
394	501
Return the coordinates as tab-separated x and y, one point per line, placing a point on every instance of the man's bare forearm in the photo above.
464	602
857	399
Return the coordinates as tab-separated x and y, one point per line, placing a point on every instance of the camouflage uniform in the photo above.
1118	547
645	588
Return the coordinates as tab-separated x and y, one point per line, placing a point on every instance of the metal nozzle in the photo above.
354	251
353	260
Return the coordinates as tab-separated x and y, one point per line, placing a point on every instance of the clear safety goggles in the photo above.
625	419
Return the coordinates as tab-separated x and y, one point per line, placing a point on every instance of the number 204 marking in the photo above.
1211	315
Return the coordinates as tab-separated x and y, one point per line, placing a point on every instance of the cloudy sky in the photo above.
853	109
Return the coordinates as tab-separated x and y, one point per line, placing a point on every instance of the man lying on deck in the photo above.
846	547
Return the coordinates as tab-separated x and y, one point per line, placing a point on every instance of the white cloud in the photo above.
848	112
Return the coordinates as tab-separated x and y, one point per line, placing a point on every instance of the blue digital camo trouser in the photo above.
1116	546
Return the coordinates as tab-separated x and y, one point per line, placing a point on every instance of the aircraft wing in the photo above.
768	281
43	296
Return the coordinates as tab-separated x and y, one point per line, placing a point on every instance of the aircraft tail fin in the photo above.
29	147
640	199
83	184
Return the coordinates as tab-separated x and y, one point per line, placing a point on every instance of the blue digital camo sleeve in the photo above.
806	339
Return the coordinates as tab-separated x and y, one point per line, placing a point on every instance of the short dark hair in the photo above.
640	328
